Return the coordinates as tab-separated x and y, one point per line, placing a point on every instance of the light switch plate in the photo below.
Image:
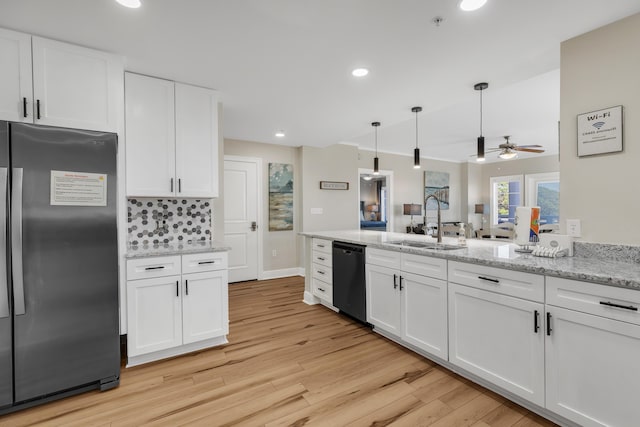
574	229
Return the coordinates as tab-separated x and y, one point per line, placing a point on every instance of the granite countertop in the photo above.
501	254
176	249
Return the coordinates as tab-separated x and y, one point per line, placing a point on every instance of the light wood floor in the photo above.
287	364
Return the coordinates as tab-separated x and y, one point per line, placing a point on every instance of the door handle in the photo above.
186	286
179	185
536	316
177	288
401	279
38	109
16	242
171	191
254	226
24	107
4	283
395	281
549	324
626	307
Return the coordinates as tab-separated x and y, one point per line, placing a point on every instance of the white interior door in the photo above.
240	212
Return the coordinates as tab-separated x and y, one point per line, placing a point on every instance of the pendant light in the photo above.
416	151
481	87
376	171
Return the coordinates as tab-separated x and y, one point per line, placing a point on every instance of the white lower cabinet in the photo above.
155	315
591	360
204	313
498	338
410	306
176	314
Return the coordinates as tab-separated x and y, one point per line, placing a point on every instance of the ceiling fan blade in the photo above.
528	150
530	146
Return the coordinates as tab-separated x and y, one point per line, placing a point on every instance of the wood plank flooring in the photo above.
287	364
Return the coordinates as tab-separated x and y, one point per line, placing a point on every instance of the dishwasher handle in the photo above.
347	248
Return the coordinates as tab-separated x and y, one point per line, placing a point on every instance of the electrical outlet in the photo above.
574	228
274	253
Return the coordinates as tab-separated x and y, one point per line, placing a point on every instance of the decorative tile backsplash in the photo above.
157	221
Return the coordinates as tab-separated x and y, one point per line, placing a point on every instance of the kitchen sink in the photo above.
425	245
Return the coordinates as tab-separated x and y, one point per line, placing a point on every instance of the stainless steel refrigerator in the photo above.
59	331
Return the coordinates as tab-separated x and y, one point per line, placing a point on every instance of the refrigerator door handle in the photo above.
4	282
16	242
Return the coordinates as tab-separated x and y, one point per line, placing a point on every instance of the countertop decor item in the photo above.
600	131
411	209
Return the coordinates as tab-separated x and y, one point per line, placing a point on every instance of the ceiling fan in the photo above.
510	151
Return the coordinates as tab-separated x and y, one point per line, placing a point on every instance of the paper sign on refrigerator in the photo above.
78	189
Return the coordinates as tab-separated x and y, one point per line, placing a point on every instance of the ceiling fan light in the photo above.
508	154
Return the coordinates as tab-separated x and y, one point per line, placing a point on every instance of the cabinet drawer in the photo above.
601	300
321	245
322	258
145	268
323	290
322	272
390	259
424	266
209	261
508	282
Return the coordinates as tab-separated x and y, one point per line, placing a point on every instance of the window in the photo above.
506	196
543	189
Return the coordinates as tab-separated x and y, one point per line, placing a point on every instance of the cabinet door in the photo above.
154	314
383	298
205	306
424	313
15	77
75	86
196	141
493	336
150	131
591	371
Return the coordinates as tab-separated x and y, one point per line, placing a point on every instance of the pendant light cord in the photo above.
481	90
376	129
416	129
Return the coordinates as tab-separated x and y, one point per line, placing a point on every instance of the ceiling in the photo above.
286	64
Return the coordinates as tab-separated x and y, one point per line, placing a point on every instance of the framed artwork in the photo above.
437	183
331	185
280	197
600	132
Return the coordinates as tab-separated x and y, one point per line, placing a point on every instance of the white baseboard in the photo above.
285	272
175	351
309	299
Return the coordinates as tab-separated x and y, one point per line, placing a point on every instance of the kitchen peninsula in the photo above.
560	336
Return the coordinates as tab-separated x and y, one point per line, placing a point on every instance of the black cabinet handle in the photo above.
320	258
24	107
536	327
320	272
171	191
320	246
488	279
395	281
186	286
549	324
177	288
321	290
38	108
401	278
179	185
154	268
206	262
626	307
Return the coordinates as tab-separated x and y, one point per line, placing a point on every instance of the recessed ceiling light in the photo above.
469	5
134	4
280	134
360	72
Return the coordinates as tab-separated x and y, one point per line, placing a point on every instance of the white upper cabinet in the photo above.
196	141
75	87
150	131
16	89
172	138
52	83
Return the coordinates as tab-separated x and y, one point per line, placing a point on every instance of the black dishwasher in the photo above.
349	293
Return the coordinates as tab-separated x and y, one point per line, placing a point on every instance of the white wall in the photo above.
339	207
601	69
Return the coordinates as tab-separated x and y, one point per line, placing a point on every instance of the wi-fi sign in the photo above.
598	125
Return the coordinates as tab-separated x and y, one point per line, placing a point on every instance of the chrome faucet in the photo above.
439	235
